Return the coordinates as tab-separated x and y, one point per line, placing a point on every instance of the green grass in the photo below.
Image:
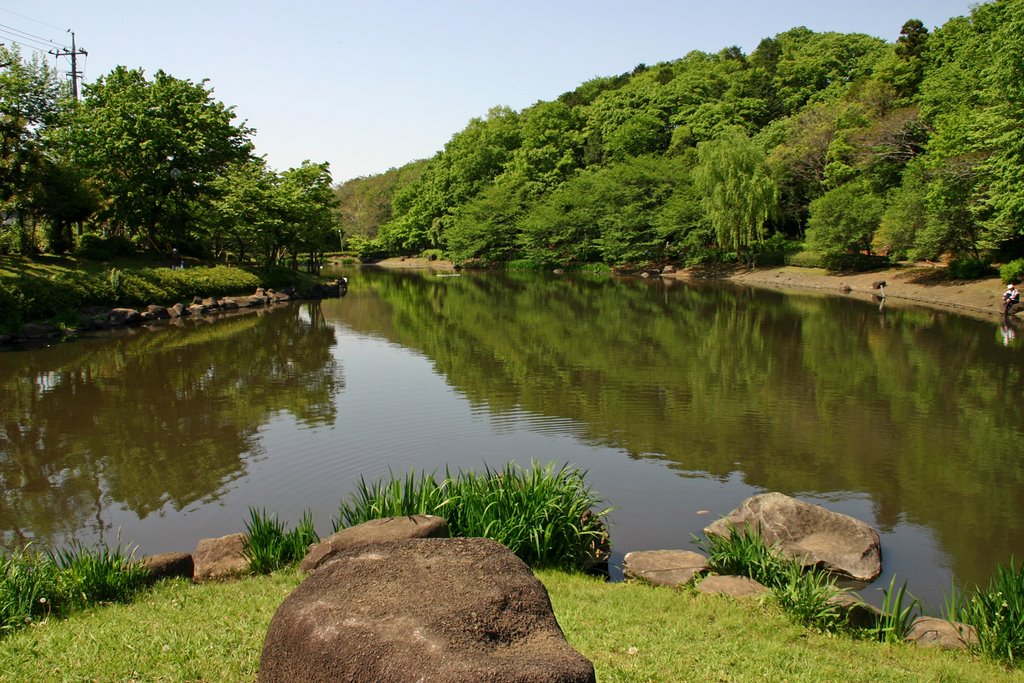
546	516
36	585
631	632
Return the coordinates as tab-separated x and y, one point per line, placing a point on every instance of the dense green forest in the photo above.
146	164
842	143
837	144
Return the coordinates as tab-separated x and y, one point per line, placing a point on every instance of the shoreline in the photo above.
908	285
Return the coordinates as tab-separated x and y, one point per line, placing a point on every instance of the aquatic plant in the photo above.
545	515
996	612
269	546
897	617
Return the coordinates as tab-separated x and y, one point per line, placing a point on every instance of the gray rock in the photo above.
444	610
733	586
220	558
664	567
950	635
38	331
374	531
809	533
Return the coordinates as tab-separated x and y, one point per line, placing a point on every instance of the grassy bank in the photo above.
52	288
632	632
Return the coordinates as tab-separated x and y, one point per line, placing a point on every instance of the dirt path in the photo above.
910	285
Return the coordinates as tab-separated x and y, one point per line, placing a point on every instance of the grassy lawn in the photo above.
632	632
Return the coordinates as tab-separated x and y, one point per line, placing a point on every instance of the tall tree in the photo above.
153	147
738	192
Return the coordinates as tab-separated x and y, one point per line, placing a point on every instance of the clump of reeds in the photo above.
803	592
269	546
544	515
996	612
35	585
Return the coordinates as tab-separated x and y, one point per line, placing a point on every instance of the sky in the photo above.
374	84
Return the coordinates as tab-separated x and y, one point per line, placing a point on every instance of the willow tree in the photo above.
737	191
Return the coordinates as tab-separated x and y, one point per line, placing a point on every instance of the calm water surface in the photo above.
679	399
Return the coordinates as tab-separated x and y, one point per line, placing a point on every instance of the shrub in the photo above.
1012	271
969	269
97	248
837	261
544	516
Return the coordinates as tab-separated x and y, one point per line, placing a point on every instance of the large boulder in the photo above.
374	531
443	610
809	533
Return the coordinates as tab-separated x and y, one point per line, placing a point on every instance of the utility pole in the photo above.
5	63
73	53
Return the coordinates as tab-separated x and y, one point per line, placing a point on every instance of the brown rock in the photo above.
950	635
38	331
124	316
374	531
809	533
734	586
220	558
168	566
444	610
857	612
158	312
664	567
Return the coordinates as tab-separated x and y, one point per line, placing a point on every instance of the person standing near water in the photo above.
1011	297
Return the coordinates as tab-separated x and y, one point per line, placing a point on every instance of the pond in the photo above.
679	399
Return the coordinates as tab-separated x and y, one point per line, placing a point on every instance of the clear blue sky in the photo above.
373	84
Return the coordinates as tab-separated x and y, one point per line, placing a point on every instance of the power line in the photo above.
25	35
23	16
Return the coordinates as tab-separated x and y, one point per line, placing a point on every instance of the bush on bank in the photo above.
54	292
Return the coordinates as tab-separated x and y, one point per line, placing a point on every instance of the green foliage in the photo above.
897	614
807	596
269	546
93	577
544	515
844	219
970	269
743	552
997	614
804	593
836	262
29	586
34	585
97	248
1008	272
738	194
